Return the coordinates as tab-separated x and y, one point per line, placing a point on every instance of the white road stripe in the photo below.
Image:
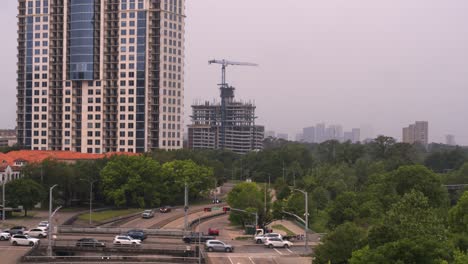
279	252
251	260
230	260
289	250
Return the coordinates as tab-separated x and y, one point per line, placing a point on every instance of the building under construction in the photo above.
228	124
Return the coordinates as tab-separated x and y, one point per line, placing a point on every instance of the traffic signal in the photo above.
226	209
207	209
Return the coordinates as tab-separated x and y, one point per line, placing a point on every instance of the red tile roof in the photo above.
34	156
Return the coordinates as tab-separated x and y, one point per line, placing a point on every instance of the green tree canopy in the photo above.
337	246
24	192
133	181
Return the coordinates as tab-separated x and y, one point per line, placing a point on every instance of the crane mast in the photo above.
227	92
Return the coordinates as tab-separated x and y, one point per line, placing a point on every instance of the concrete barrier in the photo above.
119	230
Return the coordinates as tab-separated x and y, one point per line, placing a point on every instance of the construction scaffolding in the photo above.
241	135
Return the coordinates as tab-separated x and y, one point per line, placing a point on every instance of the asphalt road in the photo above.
10	254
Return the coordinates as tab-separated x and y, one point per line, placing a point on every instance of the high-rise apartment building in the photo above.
450	140
320	133
356	135
100	75
308	134
417	132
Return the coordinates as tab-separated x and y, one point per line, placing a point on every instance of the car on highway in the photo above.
277	242
43	224
23	240
126	240
165	209
213	232
217	245
217	201
16	230
36	232
89	242
147	214
136	234
262	238
195	237
4	236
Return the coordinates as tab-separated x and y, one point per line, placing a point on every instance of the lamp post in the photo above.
49	233
306	228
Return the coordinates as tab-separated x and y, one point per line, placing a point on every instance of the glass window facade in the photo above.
82	21
140	83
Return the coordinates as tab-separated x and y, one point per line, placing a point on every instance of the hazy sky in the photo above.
372	63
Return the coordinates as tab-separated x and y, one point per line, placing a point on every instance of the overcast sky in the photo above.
378	64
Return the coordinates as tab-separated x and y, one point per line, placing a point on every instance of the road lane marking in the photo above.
274	260
251	260
279	252
289	250
230	260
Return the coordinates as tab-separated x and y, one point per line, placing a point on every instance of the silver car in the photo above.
217	245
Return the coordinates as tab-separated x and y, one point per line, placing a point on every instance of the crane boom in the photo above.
226	63
227	92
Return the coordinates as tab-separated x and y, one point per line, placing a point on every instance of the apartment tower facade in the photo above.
417	132
98	76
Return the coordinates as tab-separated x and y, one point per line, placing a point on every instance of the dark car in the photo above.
89	242
137	234
165	209
17	230
194	238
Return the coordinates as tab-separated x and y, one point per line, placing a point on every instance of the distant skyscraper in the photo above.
270	133
100	75
320	133
348	136
308	134
417	132
450	140
283	136
356	135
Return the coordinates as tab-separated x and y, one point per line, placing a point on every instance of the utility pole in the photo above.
265	209
49	247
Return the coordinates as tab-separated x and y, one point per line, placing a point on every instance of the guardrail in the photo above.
110	259
119	230
193	224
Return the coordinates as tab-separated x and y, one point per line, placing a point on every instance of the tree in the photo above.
321	197
418	177
250	197
417	251
344	208
24	192
133	181
337	246
200	180
458	215
379	147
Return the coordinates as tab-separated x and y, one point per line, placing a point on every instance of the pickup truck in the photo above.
194	238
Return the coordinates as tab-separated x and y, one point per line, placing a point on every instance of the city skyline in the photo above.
424	60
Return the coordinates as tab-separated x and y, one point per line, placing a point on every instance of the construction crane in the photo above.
227	92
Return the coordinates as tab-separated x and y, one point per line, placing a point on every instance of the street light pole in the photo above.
306	216
49	247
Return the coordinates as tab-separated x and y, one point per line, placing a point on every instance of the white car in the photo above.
4	236
262	238
23	240
277	242
36	232
43	224
126	240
